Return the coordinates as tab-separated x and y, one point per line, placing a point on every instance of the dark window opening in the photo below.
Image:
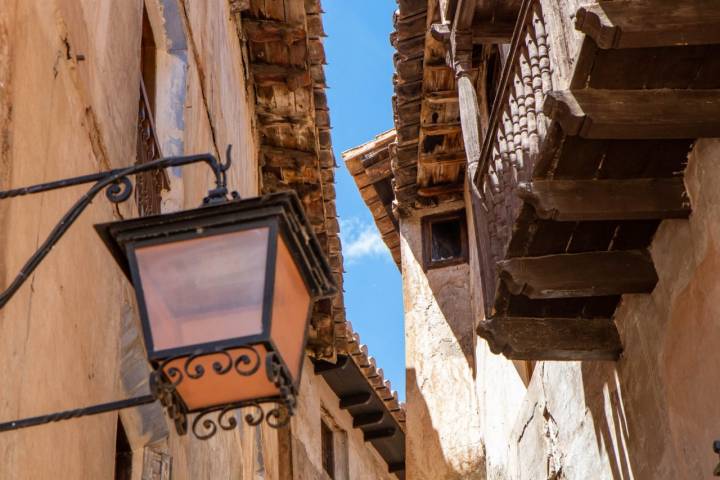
328	449
149	185
123	454
445	239
431	142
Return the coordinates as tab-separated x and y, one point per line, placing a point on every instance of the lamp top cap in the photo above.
282	207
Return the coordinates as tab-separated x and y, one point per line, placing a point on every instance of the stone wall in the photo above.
443	421
652	414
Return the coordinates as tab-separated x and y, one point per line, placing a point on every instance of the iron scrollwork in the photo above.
166	379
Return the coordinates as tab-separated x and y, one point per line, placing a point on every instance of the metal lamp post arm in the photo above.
119	188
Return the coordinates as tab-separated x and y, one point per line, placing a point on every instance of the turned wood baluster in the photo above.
516	129
542	46
537	83
527	81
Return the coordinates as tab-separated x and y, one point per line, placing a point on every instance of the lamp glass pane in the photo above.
291	304
204	289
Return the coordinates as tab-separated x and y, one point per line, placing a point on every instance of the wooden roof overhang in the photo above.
285	62
369	399
583	159
429	160
369	164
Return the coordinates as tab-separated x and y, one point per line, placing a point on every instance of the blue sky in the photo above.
359	76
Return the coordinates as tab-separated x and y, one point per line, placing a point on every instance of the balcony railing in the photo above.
537	64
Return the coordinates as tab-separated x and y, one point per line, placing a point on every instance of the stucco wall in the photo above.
443	416
363	462
61	335
653	414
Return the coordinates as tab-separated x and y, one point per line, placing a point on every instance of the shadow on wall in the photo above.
425	459
603	400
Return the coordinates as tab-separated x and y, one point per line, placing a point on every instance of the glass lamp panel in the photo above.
212	389
204	289
291	304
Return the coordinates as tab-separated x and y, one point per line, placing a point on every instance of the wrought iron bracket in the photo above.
165	379
118	188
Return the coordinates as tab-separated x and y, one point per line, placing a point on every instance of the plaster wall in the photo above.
443	417
652	414
69	333
315	402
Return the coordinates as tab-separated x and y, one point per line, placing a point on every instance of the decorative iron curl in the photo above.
120	190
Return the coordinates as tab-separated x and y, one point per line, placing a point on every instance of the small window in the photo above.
123	454
445	239
328	449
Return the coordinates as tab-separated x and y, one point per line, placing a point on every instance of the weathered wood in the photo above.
440	128
261	30
267	74
636	114
445	158
356	400
470	118
489	33
650	23
367	419
579	274
443	189
580	200
441	97
528	338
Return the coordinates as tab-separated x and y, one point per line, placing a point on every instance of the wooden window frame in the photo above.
327	448
427	223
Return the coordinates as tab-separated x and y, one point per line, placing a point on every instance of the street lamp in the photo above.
225	295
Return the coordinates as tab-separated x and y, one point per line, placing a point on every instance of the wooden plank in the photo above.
579	274
529	338
581	200
636	114
650	23
267	75
444	189
261	31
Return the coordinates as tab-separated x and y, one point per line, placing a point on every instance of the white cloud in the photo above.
361	240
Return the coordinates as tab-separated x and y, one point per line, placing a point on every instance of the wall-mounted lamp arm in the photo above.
118	188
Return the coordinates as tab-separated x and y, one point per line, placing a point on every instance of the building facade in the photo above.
547	194
97	85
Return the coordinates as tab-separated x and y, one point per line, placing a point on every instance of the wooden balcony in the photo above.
585	150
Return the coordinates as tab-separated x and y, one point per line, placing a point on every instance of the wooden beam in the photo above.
268	75
529	338
573	275
261	31
366	419
441	97
355	400
322	366
584	200
440	128
636	114
380	433
488	33
440	190
650	23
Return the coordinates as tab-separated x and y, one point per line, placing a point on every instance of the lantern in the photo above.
225	293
